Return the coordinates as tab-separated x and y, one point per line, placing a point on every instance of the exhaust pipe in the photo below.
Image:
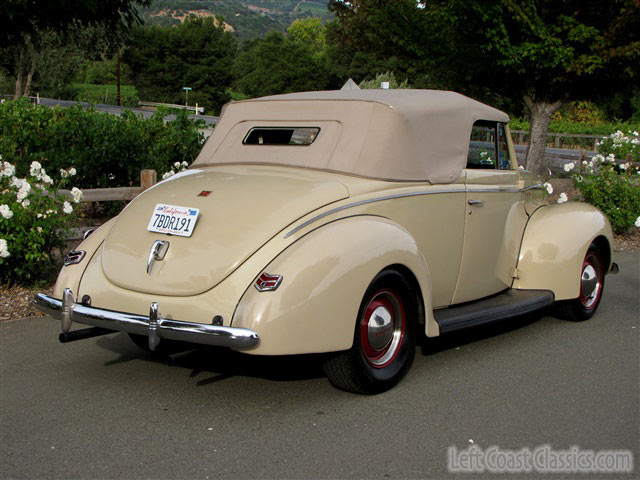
66	337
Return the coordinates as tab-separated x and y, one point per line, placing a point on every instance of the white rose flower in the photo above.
25	203
47	179
67	208
521	167
39	215
4	250
5	211
63	173
624	166
72	171
15	182
168	174
76	193
177	165
49	212
569	166
185	164
8	170
34	169
549	188
563	198
637	222
39	229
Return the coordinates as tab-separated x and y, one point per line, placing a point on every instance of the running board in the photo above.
510	303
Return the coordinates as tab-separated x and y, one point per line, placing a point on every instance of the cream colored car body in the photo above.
328	228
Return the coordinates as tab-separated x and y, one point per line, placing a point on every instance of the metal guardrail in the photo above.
198	110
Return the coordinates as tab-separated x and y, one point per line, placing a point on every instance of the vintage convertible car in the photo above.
346	221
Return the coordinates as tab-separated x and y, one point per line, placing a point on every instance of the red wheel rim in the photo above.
382	328
591	281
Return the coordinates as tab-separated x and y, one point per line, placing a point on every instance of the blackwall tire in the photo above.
592	276
384	338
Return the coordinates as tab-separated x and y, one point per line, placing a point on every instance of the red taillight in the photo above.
267	282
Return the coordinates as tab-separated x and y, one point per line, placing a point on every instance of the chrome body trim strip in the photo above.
411	194
152	326
365	202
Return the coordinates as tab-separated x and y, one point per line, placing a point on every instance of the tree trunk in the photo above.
540	116
19	75
27	85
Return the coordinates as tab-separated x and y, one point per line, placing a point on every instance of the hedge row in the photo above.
107	150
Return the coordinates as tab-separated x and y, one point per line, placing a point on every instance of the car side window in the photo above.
482	145
503	149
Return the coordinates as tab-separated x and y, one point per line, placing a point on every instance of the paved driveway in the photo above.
100	408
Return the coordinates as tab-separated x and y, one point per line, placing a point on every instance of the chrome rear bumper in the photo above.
67	311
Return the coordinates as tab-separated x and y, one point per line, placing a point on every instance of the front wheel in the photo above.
384	338
591	288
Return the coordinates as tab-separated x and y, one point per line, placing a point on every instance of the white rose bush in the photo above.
177	167
34	217
610	180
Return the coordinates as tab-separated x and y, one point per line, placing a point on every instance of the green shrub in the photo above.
109	151
579	128
34	219
611	182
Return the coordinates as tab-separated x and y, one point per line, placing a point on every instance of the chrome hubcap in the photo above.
590	283
382	328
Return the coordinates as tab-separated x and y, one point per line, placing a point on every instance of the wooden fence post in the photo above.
148	178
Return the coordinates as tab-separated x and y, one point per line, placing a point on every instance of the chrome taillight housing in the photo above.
73	257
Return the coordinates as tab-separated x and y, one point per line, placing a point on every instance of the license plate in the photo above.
173	220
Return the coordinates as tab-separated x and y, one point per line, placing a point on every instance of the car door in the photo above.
495	215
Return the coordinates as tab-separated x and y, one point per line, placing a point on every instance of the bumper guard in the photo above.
67	311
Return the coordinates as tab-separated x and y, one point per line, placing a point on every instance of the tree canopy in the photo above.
538	52
197	54
29	17
280	63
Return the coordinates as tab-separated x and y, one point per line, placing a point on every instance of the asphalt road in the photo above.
100	408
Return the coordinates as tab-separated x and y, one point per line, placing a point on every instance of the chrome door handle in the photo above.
476	202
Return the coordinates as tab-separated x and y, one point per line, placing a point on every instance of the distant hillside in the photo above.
247	19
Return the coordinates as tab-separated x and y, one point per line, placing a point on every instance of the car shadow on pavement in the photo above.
447	341
218	364
223	363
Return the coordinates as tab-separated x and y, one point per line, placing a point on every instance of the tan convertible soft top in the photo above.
409	135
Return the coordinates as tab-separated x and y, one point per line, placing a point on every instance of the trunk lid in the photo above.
247	206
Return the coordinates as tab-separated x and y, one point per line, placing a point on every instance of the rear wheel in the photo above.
384	338
591	288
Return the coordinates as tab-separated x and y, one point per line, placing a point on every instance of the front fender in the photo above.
325	275
554	245
69	277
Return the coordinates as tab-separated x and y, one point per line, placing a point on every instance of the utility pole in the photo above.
118	98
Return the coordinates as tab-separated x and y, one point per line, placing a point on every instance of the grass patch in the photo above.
106	94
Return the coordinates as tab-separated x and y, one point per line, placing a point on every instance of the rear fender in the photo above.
554	245
325	275
69	277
